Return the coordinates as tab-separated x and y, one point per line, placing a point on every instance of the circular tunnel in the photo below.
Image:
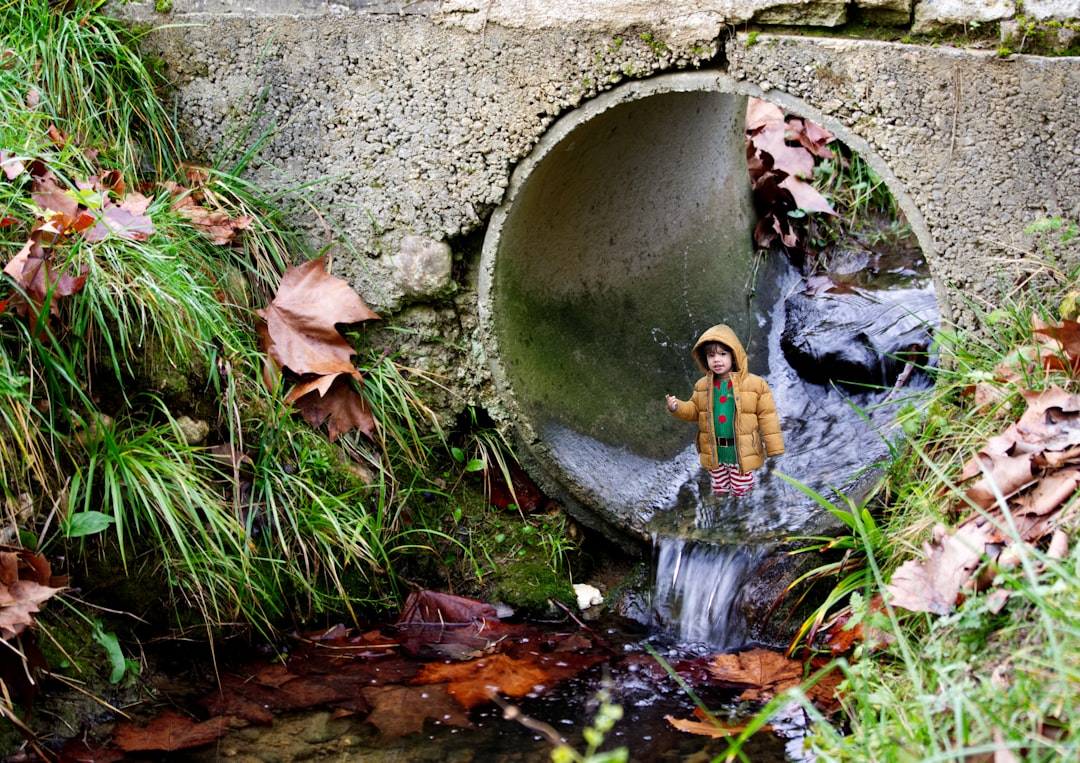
625	234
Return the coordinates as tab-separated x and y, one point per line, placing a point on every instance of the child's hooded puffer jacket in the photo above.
757	425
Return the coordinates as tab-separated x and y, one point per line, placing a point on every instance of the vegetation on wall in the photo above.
173	424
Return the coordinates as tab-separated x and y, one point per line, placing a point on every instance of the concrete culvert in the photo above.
624	234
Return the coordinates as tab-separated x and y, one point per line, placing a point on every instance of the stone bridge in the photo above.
547	193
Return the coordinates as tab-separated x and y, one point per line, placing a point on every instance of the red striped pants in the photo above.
727	478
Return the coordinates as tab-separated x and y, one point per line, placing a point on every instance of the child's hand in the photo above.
672	403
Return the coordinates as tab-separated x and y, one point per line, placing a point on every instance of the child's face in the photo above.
719	360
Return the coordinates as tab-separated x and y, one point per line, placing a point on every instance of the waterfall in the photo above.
696	591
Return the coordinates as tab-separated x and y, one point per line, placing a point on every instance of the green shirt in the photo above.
724	420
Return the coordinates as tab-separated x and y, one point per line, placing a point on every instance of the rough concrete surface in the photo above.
409	119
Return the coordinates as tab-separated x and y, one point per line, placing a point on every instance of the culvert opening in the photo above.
628	231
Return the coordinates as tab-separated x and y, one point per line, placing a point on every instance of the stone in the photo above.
932	15
194	431
826	14
587	596
422	267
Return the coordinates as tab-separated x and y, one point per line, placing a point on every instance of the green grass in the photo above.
999	673
291	527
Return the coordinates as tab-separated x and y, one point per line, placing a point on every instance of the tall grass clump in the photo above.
135	420
996	676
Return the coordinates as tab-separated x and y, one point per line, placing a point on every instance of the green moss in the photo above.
529	585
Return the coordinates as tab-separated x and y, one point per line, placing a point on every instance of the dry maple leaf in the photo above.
401	710
765	673
169	731
426	607
302	321
1061	349
18	602
473	683
714	728
794	160
340	407
933	585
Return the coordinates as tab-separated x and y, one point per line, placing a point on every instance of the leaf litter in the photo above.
1020	485
444	657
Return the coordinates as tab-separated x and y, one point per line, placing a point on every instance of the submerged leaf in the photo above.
169	731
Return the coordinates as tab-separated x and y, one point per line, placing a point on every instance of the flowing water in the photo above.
696	590
707	550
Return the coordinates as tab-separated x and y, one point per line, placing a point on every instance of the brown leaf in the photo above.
434	608
302	320
473	683
169	731
933	585
1003	475
1063	345
18	602
761	113
401	710
764	672
794	160
12	167
1049	494
806	196
120	222
714	728
341	407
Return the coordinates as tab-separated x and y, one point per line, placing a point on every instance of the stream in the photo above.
707	551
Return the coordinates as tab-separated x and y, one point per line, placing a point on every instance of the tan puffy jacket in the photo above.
757	425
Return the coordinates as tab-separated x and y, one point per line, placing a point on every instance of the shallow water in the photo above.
635	680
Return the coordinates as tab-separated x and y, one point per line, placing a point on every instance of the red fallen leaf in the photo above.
840	638
302	321
401	710
255	697
522	492
433	608
473	683
694	672
169	731
340	407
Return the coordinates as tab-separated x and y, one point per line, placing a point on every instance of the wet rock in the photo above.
856	336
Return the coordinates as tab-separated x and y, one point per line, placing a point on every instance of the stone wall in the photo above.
404	120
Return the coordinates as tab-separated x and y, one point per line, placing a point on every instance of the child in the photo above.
737	421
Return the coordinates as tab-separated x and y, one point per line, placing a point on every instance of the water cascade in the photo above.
696	586
709	552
